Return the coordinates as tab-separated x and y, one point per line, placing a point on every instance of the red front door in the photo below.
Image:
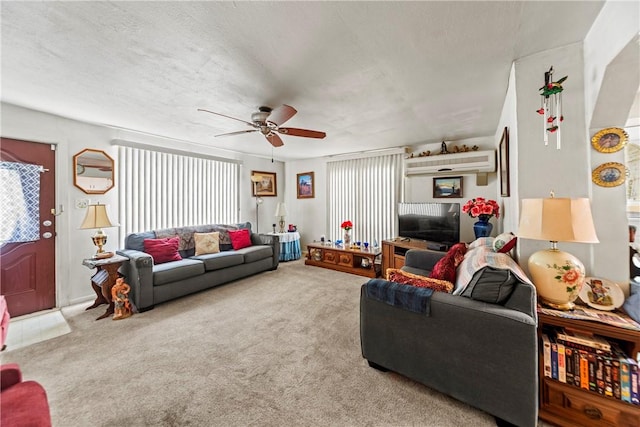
27	269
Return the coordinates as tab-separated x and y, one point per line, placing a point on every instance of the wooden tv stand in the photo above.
348	260
393	251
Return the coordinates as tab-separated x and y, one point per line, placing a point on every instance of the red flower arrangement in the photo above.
481	206
347	225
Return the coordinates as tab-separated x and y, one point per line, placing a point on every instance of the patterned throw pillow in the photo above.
163	250
504	242
240	238
207	243
445	269
406	278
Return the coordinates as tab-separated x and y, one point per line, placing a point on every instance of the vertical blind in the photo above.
162	190
365	191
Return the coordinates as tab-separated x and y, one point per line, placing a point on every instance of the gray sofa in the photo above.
483	354
156	283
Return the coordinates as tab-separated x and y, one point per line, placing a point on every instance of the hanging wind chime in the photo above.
551	107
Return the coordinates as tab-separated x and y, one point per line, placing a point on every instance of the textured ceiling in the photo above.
371	75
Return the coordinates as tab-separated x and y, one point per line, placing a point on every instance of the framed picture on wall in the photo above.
263	184
305	185
448	187
504	164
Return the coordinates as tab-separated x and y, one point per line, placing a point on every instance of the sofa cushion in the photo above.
406	278
176	270
497	279
220	260
445	268
136	240
207	243
491	285
256	253
162	250
240	238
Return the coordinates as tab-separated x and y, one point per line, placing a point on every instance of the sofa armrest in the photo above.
139	275
271	240
10	374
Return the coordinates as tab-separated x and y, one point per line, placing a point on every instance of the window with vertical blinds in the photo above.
161	190
365	191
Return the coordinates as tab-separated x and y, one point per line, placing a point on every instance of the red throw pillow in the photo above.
240	238
445	269
406	278
163	250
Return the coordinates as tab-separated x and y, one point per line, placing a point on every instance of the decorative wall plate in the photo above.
601	294
609	140
609	174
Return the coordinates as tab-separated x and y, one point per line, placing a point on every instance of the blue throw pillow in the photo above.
632	304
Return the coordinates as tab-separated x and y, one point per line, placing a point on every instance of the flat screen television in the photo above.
433	222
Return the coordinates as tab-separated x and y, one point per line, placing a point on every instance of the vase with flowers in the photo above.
484	210
347	226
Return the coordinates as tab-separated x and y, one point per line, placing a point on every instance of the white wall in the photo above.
70	137
612	64
568	171
510	205
543	168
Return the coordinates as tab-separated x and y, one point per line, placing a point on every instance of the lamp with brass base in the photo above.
281	211
97	218
557	275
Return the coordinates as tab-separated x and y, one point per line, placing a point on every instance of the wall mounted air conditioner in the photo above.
441	164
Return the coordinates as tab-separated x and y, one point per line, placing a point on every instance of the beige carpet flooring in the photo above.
278	349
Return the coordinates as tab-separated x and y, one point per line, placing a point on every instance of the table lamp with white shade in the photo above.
97	218
281	212
557	275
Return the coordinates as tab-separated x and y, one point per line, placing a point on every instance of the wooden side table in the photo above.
567	405
103	280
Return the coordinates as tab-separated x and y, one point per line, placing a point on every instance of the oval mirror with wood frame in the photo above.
93	171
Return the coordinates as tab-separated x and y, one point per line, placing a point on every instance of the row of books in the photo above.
591	363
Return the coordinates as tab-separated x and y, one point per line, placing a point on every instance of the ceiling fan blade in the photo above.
281	114
236	133
274	139
302	132
228	117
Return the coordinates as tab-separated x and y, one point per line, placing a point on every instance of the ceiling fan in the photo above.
267	121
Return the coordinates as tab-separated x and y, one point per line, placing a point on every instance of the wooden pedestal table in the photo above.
364	262
103	280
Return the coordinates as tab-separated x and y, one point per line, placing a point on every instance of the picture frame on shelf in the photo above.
305	185
449	187
263	184
505	190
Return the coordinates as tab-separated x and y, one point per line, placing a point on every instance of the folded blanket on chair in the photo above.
408	297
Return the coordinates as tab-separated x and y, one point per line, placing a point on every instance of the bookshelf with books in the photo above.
588	372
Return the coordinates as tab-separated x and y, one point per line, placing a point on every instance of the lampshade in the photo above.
281	209
557	275
557	220
96	217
